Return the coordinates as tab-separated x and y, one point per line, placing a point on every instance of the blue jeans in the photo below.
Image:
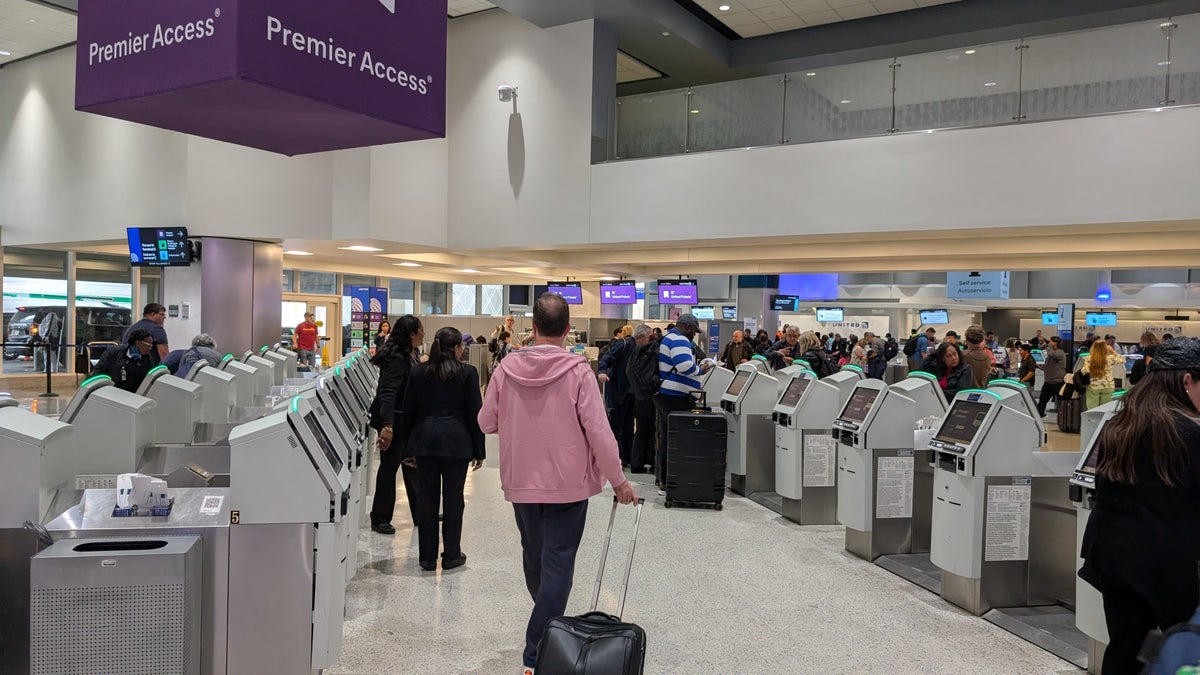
550	535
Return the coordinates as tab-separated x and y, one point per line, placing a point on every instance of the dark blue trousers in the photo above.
550	535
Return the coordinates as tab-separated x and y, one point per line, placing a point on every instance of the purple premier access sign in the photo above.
287	76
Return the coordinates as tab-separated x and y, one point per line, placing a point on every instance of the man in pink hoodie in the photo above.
556	450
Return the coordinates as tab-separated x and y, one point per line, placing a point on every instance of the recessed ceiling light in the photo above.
694	112
969	51
810	74
666	33
724	8
33	21
1165	24
296	253
362	249
469	271
1164	63
4	53
408	264
989	84
608	278
846	100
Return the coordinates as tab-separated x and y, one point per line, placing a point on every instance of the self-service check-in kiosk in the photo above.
245	386
116	424
264	377
748	402
178	409
1089	604
35	452
877	472
279	361
714	384
291	360
218	392
1019	397
289	498
805	452
996	528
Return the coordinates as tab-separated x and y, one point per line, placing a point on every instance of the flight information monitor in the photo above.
678	292
827	314
738	384
158	246
618	293
729	312
704	312
795	390
934	316
1107	319
571	291
962	422
859	404
318	432
785	303
1050	318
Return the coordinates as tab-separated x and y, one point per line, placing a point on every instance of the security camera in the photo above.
507	93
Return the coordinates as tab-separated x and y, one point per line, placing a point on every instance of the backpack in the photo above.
492	345
1174	650
910	345
642	370
890	349
821	364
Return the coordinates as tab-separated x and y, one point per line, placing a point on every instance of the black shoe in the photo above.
637	471
451	563
383	528
428	565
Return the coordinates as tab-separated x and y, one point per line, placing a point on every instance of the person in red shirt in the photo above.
306	341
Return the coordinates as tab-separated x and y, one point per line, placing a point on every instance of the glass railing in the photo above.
1120	68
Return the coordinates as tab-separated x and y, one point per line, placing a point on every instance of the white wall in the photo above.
1114	168
409	192
180	285
519	178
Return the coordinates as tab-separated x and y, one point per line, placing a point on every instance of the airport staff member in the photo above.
153	316
128	364
1142	542
306	341
556	451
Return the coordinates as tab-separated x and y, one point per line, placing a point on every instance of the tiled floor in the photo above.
737	591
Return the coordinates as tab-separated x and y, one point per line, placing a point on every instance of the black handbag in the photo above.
596	643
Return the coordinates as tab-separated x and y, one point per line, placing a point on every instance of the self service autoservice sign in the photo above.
290	76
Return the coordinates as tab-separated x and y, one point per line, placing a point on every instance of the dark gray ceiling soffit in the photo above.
71	6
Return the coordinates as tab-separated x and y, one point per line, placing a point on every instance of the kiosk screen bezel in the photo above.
327	447
1091	457
794	392
342	410
860	404
946	433
738	383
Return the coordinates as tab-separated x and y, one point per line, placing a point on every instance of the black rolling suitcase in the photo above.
1070	410
596	643
696	457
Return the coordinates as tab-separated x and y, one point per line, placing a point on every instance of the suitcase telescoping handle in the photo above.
612	518
700	400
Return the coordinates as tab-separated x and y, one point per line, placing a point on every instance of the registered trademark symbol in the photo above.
217	13
429	79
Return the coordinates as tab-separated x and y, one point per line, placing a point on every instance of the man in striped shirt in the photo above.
680	375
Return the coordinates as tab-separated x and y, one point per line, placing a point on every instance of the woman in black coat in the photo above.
1142	542
439	429
947	366
395	360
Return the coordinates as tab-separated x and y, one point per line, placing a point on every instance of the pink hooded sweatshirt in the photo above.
556	446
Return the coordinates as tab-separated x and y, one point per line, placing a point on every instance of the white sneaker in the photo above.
662	493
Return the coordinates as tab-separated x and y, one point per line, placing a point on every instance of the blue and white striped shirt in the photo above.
675	351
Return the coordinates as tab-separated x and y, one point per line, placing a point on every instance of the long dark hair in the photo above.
443	363
939	359
399	341
1151	410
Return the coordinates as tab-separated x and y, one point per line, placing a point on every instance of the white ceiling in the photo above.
464	7
750	18
27	28
630	69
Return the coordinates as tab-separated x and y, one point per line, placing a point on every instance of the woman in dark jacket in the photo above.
439	428
1142	541
395	360
762	342
952	374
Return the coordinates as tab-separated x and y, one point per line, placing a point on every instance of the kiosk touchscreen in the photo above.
1019	397
244	379
876	472
1089	604
118	426
289	493
983	510
714	384
350	394
179	405
750	445
805	452
218	392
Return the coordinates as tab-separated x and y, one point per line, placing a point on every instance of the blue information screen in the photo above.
158	246
1106	319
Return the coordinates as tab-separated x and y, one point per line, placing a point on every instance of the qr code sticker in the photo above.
211	505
